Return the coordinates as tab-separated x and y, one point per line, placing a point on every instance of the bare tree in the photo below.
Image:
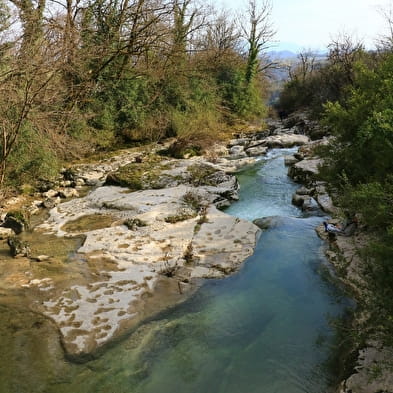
385	42
304	66
221	35
258	32
344	51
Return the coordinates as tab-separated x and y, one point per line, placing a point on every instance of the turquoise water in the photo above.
264	330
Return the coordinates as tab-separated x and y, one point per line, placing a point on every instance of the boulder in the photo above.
34	208
290	160
305	171
45	185
256	151
286	140
298	200
237	151
268	222
304	191
66	183
256	143
310	204
79	182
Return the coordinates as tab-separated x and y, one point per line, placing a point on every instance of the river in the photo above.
264	329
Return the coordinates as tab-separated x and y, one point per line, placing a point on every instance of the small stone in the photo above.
66	183
50	194
50	203
5	233
68	193
79	182
41	258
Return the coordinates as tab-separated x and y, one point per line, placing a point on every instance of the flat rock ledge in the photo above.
174	234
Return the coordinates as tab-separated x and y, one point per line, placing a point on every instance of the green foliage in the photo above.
244	99
330	80
32	159
363	126
359	163
122	75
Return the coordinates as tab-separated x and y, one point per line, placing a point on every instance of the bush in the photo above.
33	158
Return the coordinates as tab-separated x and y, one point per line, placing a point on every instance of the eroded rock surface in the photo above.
373	371
172	243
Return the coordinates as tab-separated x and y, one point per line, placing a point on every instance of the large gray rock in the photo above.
305	171
256	151
265	223
286	140
298	200
310	204
290	160
237	151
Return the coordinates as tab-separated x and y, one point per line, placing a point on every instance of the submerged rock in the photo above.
268	222
18	247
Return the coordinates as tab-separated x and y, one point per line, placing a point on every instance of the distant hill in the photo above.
282	55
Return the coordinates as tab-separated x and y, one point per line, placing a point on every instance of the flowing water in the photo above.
265	329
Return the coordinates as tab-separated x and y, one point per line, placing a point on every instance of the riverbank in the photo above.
373	368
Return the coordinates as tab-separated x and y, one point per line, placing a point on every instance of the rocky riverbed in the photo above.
104	259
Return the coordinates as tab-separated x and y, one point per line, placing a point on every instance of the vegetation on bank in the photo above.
77	77
351	94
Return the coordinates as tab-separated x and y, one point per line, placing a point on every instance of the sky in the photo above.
312	24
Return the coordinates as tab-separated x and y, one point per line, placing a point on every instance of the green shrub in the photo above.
33	158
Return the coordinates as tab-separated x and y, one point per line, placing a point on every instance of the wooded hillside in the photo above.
78	76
